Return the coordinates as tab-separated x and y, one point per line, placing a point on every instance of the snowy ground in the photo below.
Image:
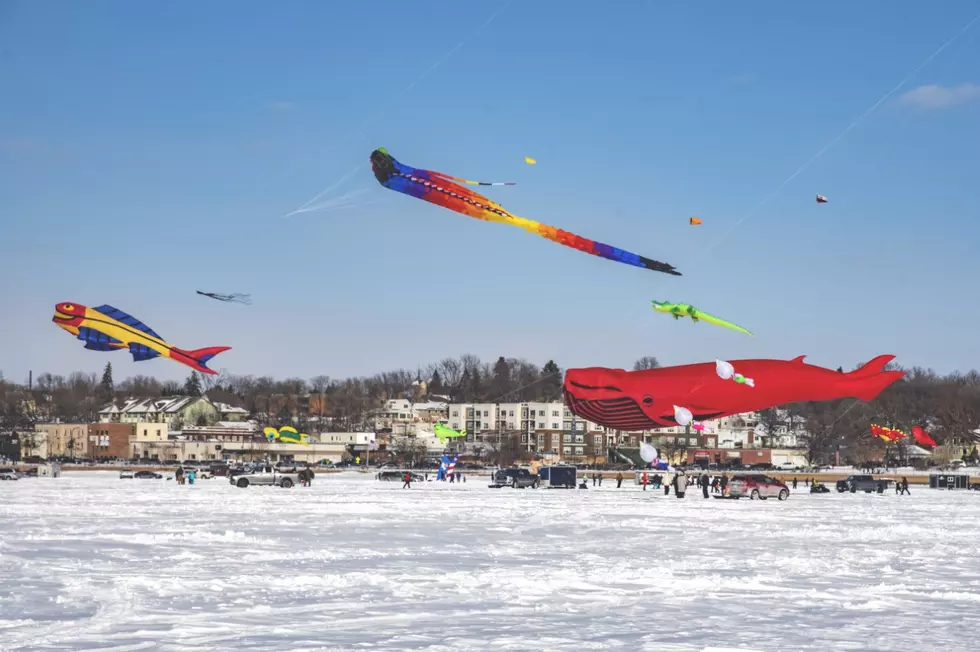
91	561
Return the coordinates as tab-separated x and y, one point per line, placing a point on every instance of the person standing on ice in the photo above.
905	487
408	481
619	480
680	484
794	482
705	483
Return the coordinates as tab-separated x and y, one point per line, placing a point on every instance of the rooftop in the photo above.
165	404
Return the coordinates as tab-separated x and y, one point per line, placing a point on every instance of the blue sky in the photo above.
150	150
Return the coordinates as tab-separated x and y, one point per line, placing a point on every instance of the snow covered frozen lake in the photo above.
89	561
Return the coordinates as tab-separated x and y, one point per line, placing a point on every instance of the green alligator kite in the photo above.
679	310
445	432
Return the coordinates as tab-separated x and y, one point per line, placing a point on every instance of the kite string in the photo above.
360	130
884	98
847	130
787	181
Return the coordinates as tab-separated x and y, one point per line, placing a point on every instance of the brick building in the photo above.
110	440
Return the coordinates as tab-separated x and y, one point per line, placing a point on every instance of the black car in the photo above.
147	475
516	478
866	483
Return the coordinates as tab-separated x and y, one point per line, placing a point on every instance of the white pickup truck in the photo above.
265	476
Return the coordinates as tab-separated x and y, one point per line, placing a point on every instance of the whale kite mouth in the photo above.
622	413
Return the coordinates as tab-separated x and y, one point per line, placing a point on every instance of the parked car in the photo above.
757	486
398	476
516	478
267	476
9	473
202	473
865	483
147	475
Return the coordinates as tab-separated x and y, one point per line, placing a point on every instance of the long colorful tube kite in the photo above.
439	189
641	400
679	310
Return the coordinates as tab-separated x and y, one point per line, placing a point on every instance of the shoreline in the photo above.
827	477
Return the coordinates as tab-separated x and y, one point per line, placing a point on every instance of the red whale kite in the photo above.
644	400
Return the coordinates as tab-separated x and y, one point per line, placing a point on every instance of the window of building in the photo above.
597	441
511	413
554	413
579	450
540	424
486	425
554	426
567	450
540	413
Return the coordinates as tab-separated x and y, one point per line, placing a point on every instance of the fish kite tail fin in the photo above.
198	358
872	367
872	386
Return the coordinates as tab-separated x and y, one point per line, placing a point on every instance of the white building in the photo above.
175	411
230	412
486	422
402	417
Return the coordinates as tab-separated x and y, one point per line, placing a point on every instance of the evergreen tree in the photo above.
500	384
435	383
551	381
107	387
193	385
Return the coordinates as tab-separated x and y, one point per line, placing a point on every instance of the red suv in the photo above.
757	486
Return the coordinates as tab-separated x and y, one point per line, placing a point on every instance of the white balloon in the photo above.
648	452
682	416
725	370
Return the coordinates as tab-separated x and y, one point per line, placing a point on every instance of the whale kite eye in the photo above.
647	400
68	307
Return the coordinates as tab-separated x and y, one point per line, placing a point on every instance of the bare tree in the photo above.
771	419
646	362
451	371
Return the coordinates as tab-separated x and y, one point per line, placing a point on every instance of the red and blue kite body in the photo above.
440	189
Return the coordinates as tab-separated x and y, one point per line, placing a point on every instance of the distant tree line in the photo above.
946	406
